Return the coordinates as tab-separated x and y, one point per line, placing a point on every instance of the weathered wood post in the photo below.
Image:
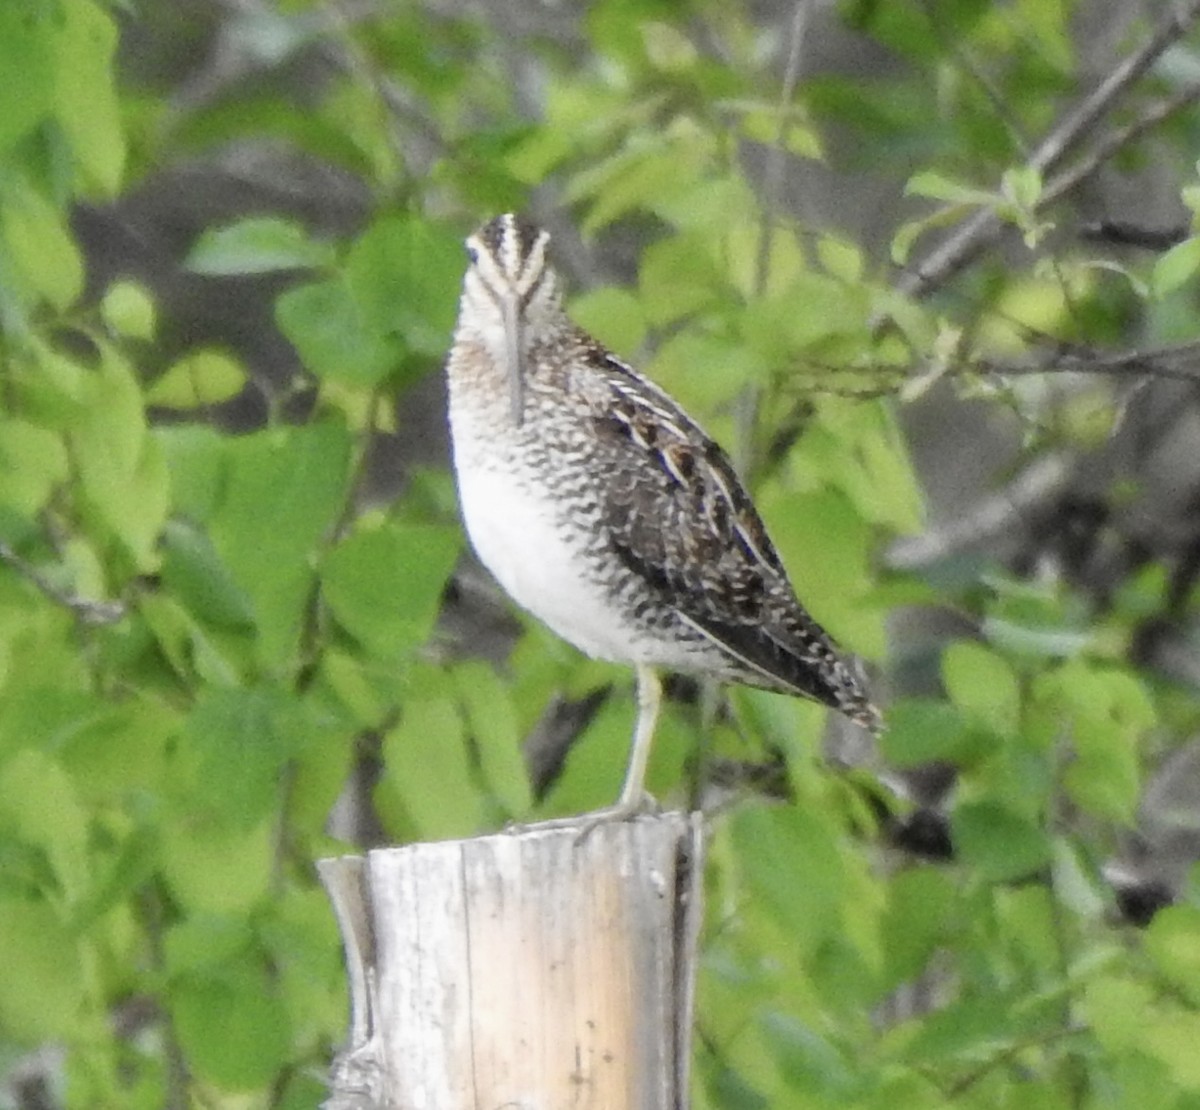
530	970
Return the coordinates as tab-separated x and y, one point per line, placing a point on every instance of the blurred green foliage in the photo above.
166	776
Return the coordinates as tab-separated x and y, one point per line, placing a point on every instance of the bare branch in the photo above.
994	516
775	167
89	612
980	229
1181	362
1063	183
1075	126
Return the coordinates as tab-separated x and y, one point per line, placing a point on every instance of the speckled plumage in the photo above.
605	510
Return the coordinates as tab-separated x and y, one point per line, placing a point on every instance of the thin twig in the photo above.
993	516
749	400
1007	1055
773	176
89	612
981	228
1064	182
951	42
1181	362
1075	126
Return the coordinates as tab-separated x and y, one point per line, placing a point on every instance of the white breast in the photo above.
516	533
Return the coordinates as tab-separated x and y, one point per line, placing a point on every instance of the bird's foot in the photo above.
625	810
586	823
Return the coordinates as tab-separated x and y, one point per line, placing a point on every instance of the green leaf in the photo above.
194	574
1027	638
810	1061
405	273
614	316
1109	710
202	945
40	807
981	683
284	488
385	585
781	335
27	62
124	871
426	767
55	388
1104	778
922	910
492	720
858	448
726	1088
185	644
921	730
128	310
903	239
1177	266
257	245
1173	943
238	741
667	48
86	97
321	772
1001	845
118	750
760	123
198	380
637	176
138	517
197	458
122	470
41	246
840	259
212	866
929	183
1023	186
42	990
791	863
1115	1006
704	372
232	1024
787	272
1032	621
677	277
363	689
113	431
973	1027
825	544
330	331
1171	1037
33	462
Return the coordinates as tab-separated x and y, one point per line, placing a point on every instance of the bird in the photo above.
606	512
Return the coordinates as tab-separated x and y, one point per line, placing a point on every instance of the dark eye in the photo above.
472	254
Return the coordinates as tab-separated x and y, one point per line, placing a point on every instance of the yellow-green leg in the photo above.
649	698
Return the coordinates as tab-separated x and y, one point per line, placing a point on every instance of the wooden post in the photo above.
531	970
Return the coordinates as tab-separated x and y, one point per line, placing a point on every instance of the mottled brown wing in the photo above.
677	516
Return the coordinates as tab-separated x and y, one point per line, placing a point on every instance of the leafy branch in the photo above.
983	227
87	611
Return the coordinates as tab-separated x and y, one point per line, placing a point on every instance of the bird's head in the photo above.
510	295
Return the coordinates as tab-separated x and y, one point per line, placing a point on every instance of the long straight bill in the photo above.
514	339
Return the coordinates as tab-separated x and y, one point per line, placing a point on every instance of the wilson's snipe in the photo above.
604	510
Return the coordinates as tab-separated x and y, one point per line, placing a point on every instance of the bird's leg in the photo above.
649	698
633	799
